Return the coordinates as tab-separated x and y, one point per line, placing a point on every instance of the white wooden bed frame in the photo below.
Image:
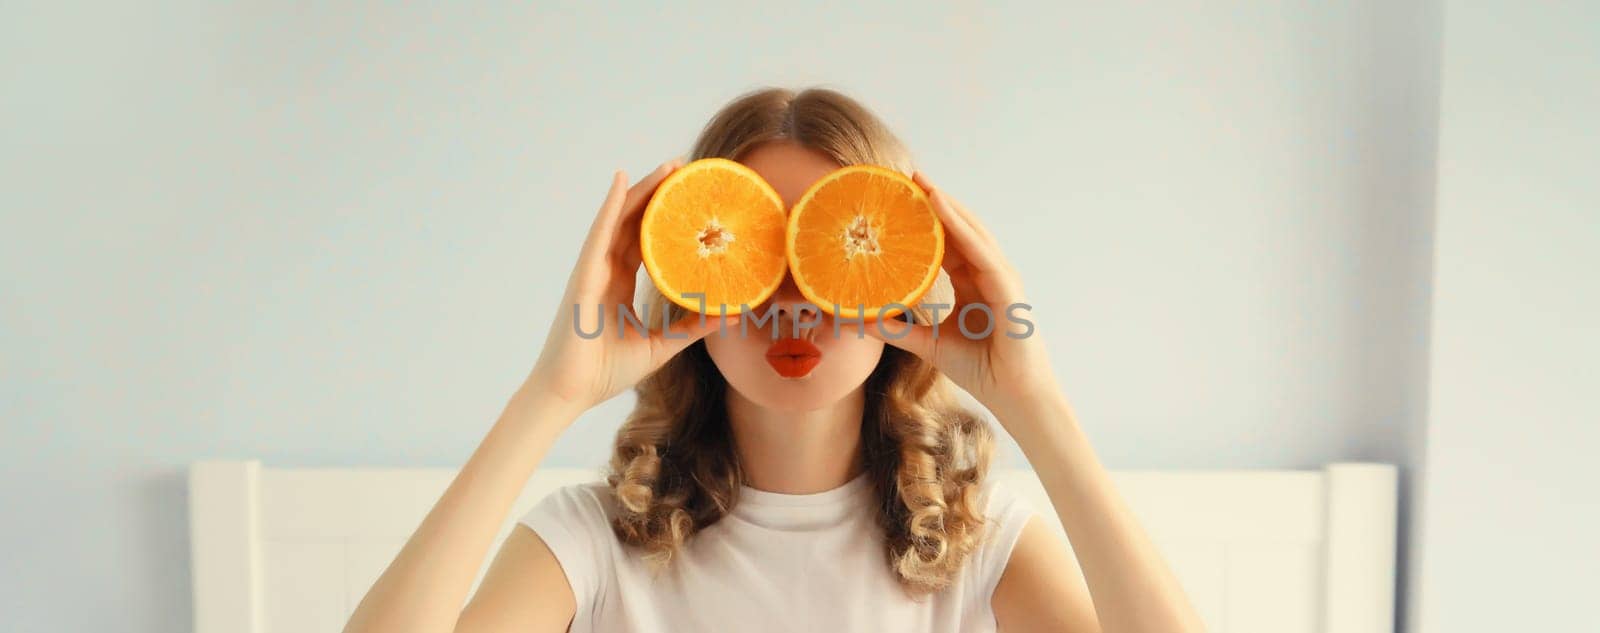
279	550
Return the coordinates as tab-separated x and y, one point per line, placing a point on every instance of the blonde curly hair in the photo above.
674	469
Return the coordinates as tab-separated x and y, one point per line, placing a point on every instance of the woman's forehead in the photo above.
789	167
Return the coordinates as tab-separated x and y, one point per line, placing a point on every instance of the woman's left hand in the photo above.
1008	365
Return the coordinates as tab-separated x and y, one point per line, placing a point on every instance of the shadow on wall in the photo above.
161	542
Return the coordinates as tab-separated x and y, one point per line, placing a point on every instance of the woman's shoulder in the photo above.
574	521
589	503
1001	501
1006	512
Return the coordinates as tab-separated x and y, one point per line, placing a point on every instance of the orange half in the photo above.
864	238
714	227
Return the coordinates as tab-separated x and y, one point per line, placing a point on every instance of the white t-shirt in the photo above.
775	563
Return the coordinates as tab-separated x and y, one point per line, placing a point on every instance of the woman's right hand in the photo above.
582	372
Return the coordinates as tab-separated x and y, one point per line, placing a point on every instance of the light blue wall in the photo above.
1511	511
322	235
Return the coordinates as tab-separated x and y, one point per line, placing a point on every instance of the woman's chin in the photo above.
794	394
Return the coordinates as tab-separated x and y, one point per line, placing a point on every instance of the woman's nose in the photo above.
790	309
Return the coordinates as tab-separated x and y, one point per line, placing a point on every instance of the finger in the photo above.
960	209
959	271
986	268
615	195
624	246
591	255
971	247
971	218
625	250
998	254
640	192
955	262
964	289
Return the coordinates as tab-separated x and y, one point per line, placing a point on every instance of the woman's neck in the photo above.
797	452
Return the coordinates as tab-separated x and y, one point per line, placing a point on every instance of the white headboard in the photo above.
278	550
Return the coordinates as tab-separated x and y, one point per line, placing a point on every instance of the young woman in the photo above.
853	498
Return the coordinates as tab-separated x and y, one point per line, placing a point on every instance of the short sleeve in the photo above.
573	523
1007	513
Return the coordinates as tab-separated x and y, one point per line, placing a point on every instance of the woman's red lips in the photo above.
793	358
